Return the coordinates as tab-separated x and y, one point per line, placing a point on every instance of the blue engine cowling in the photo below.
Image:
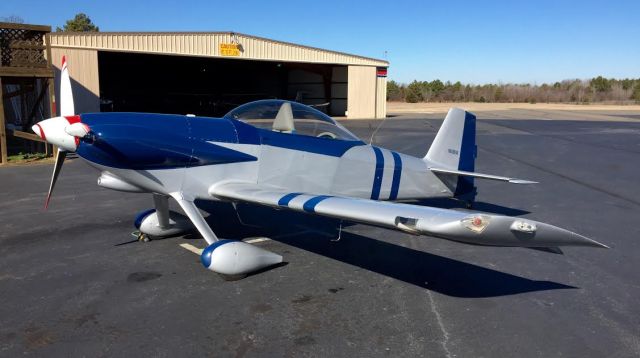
144	141
230	257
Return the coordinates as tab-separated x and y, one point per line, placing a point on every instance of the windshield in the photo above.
290	117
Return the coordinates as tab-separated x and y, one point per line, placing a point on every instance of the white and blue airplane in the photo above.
287	156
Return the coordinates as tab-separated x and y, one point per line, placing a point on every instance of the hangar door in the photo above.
213	86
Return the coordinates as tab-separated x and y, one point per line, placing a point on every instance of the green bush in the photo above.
600	84
413	93
636	93
395	92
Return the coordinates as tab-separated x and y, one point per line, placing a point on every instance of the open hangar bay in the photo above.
74	282
210	73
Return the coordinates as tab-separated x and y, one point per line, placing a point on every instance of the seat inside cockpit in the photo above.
290	117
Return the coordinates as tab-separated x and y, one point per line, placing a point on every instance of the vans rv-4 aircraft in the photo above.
287	156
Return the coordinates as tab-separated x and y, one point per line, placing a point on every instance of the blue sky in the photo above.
470	41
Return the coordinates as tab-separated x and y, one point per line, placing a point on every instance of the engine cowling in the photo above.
237	258
147	222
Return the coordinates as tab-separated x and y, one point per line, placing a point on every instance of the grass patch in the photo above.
26	157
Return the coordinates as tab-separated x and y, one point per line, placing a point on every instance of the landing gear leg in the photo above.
196	218
468	204
161	203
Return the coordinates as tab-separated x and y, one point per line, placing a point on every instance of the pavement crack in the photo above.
445	334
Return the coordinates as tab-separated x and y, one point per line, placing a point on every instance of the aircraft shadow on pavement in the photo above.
437	273
450	203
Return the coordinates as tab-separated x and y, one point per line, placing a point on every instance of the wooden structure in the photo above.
25	68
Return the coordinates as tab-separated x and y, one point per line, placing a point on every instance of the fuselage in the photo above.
175	153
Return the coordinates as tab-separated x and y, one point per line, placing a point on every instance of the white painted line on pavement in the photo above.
191	248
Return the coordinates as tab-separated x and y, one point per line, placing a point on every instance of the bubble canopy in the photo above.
290	117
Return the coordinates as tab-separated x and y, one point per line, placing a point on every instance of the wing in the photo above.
463	226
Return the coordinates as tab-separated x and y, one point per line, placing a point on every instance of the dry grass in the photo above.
401	107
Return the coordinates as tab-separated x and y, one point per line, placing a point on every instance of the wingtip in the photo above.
522	181
593	243
601	245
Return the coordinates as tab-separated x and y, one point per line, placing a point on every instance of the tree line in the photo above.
598	89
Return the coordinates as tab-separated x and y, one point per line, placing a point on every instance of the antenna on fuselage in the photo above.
376	130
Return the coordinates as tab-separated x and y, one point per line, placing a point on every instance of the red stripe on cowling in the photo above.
44	137
73	119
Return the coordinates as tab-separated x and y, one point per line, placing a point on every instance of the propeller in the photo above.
64	131
61	155
67	107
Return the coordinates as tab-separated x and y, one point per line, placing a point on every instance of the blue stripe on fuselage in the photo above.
310	205
304	143
397	173
144	141
377	178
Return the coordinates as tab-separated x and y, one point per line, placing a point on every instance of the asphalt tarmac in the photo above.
74	282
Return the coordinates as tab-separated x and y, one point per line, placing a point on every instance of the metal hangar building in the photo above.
210	73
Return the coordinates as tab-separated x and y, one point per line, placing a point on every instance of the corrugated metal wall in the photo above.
366	93
85	82
381	97
207	44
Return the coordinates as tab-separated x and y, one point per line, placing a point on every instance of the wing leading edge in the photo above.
467	227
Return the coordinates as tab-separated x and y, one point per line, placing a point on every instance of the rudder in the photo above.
455	148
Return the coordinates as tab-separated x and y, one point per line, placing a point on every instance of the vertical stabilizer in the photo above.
455	148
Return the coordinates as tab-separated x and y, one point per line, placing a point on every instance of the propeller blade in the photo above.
56	170
66	96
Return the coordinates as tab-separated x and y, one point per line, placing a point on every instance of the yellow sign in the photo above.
229	50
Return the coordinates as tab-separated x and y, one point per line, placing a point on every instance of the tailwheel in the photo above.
143	237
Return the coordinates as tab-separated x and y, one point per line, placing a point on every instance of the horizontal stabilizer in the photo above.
482	176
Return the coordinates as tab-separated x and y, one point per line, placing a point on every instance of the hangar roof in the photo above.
207	44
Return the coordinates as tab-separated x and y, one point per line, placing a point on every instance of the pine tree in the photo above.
80	23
